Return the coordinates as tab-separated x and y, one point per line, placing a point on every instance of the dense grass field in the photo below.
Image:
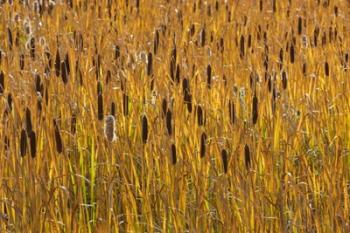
174	116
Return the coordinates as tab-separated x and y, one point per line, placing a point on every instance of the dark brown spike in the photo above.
255	109
291	53
326	68
2	82
247	156
149	64
304	69
99	88
203	37
156	42
231	109
100	107
73	123
58	63
21	61
164	106
177	75
32	47
169	122
108	76
300	25
64	72
23	143
59	144
203	145
116	52
9	37
67	63
113	110
125	104
224	157
29	127
200	118
173	154
209	73
32	142
9	101
284	80
144	129
241	47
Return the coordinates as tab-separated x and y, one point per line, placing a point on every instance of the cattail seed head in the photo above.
247	156
59	144
224	157
255	109
109	128
23	143
144	129
32	143
2	82
203	145
169	122
173	154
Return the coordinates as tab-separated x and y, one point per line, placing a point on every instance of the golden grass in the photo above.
229	117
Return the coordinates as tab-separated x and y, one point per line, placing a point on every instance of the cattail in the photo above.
203	37
58	63
29	127
291	53
32	47
59	144
224	157
255	109
177	74
200	116
125	104
2	82
108	76
116	52
326	69
9	101
209	76
9	37
274	7
164	106
23	143
149	64
192	30
241	46
300	25
144	129
202	146
173	63
73	123
32	143
156	42
100	107
261	5
64	72
247	156
168	122
113	109
316	33
304	69
284	80
109	128
173	154
231	109
21	61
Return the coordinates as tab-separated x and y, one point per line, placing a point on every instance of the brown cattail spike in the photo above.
231	109
173	154
326	69
29	127
291	53
113	110
209	75
32	140
73	123
200	119
284	80
59	144
169	122
255	109
149	64
144	129
109	128
241	47
203	144
58	63
247	156
125	105
224	157
100	107
21	61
